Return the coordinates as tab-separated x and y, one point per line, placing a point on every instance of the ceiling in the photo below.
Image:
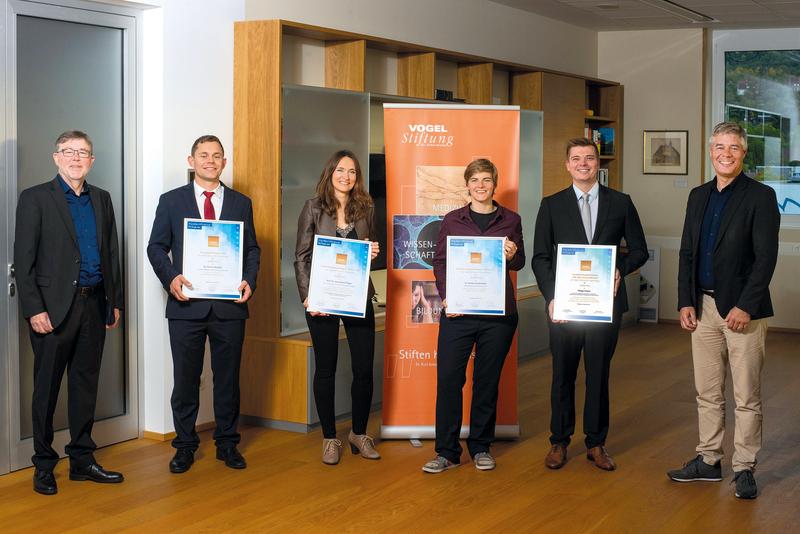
608	15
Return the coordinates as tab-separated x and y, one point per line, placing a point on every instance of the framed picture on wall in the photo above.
665	152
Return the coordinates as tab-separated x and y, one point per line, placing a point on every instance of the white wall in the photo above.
477	27
662	74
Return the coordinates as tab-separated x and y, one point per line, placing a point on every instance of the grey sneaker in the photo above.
439	464
745	484
696	470
484	461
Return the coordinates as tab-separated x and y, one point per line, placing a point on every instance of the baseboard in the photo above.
156	436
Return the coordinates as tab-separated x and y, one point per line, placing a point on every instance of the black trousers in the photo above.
77	346
597	341
187	339
492	337
361	339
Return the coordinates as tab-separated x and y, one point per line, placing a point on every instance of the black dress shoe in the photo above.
232	457
44	482
182	461
95	473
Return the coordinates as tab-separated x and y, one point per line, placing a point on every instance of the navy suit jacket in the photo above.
559	222
167	236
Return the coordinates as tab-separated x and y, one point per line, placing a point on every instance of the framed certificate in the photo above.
212	258
476	275
339	282
585	283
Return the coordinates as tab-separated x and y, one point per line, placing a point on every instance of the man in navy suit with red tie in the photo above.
193	320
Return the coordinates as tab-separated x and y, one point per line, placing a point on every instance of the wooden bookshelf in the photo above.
604	99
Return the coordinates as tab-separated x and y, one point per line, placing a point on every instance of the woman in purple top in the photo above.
491	335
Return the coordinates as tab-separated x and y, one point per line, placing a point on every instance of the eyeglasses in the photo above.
70	153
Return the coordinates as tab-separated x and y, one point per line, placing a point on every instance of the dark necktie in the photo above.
208	208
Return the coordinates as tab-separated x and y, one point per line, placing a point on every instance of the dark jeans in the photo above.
77	346
492	337
187	339
361	339
597	341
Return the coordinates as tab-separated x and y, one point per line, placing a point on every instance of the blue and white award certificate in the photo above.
339	282
476	275
212	258
585	283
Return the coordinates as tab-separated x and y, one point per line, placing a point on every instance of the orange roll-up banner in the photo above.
428	146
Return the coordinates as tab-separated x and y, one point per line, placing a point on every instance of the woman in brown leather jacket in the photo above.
341	208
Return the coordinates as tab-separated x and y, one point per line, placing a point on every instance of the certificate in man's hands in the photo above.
585	283
212	258
339	282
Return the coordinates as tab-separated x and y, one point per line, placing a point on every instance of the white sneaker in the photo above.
484	461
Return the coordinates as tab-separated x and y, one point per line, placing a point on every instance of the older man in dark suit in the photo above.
728	254
584	213
66	257
192	321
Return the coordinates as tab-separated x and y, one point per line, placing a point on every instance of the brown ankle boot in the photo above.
331	451
363	444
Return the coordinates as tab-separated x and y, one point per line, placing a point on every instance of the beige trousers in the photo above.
713	346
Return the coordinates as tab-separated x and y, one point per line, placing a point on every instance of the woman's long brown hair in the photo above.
360	202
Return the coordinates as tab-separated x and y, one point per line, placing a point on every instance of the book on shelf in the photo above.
602	176
602	137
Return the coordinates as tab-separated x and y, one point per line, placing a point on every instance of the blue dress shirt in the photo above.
709	232
80	207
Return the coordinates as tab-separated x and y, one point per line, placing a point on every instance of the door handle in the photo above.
12	289
11	271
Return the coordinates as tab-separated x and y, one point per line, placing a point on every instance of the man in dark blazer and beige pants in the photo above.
584	213
728	253
66	257
192	321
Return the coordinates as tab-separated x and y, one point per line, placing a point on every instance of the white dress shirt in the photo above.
216	199
593	194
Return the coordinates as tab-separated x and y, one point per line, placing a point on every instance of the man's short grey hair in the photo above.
725	128
69	135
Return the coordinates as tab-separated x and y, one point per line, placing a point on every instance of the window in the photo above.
756	83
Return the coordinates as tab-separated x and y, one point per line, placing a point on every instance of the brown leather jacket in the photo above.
313	220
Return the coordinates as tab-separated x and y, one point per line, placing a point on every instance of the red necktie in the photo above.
208	208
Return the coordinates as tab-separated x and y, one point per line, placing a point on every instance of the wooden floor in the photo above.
287	489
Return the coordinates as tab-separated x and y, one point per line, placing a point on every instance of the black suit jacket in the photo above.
47	260
745	252
559	222
167	236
